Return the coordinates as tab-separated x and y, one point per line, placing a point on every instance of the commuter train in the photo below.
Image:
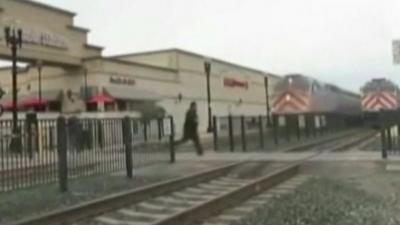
299	94
378	94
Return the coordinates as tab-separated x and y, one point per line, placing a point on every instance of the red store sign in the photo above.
232	82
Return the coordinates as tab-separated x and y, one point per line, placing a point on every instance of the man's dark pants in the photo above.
196	140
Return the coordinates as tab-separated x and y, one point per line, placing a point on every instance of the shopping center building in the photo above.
75	77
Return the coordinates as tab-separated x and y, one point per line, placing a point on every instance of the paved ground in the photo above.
354	155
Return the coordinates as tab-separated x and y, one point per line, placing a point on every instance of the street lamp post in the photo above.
266	84
207	68
85	74
13	39
39	65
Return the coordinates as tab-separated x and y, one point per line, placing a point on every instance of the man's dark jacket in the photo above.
191	123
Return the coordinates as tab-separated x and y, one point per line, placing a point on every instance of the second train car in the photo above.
378	94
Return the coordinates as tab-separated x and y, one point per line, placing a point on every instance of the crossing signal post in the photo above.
13	39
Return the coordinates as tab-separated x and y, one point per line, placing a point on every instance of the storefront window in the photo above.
109	107
91	107
122	105
55	107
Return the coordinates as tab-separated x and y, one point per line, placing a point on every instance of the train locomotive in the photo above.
378	94
299	94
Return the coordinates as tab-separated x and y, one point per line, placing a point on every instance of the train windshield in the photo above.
294	82
379	85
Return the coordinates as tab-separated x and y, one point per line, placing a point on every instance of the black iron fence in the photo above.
249	133
390	132
67	148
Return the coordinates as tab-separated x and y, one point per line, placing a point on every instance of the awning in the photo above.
7	102
105	98
132	93
31	99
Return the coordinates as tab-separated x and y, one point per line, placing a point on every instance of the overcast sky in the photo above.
346	42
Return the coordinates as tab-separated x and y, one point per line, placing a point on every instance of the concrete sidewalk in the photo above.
282	156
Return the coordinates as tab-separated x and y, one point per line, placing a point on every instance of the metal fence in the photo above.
68	148
250	133
390	132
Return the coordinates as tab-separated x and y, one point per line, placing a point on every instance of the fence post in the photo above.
231	141
215	133
389	138
297	127
275	127
159	126
145	131
127	138
398	136
62	154
287	127
307	125
172	140
243	133
314	125
383	134
261	127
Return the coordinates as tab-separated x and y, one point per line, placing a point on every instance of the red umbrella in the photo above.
7	104
101	98
32	101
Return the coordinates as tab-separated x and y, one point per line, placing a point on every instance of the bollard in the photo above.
215	133
172	140
62	154
243	133
261	129
230	127
275	128
127	138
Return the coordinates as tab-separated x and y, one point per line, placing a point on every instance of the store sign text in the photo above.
122	81
232	82
43	38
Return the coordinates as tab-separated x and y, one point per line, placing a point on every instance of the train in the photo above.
300	94
378	94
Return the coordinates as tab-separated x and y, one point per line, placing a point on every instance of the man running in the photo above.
190	129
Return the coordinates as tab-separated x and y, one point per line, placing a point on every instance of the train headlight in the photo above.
288	97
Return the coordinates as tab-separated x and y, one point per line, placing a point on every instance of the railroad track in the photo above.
215	197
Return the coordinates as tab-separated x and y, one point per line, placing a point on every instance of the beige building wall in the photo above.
188	80
59	23
191	83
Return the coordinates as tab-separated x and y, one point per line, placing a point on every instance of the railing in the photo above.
249	133
390	132
67	148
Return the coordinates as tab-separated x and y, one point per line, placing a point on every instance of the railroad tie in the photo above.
110	221
146	216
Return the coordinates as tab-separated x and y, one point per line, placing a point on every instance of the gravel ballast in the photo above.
323	201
